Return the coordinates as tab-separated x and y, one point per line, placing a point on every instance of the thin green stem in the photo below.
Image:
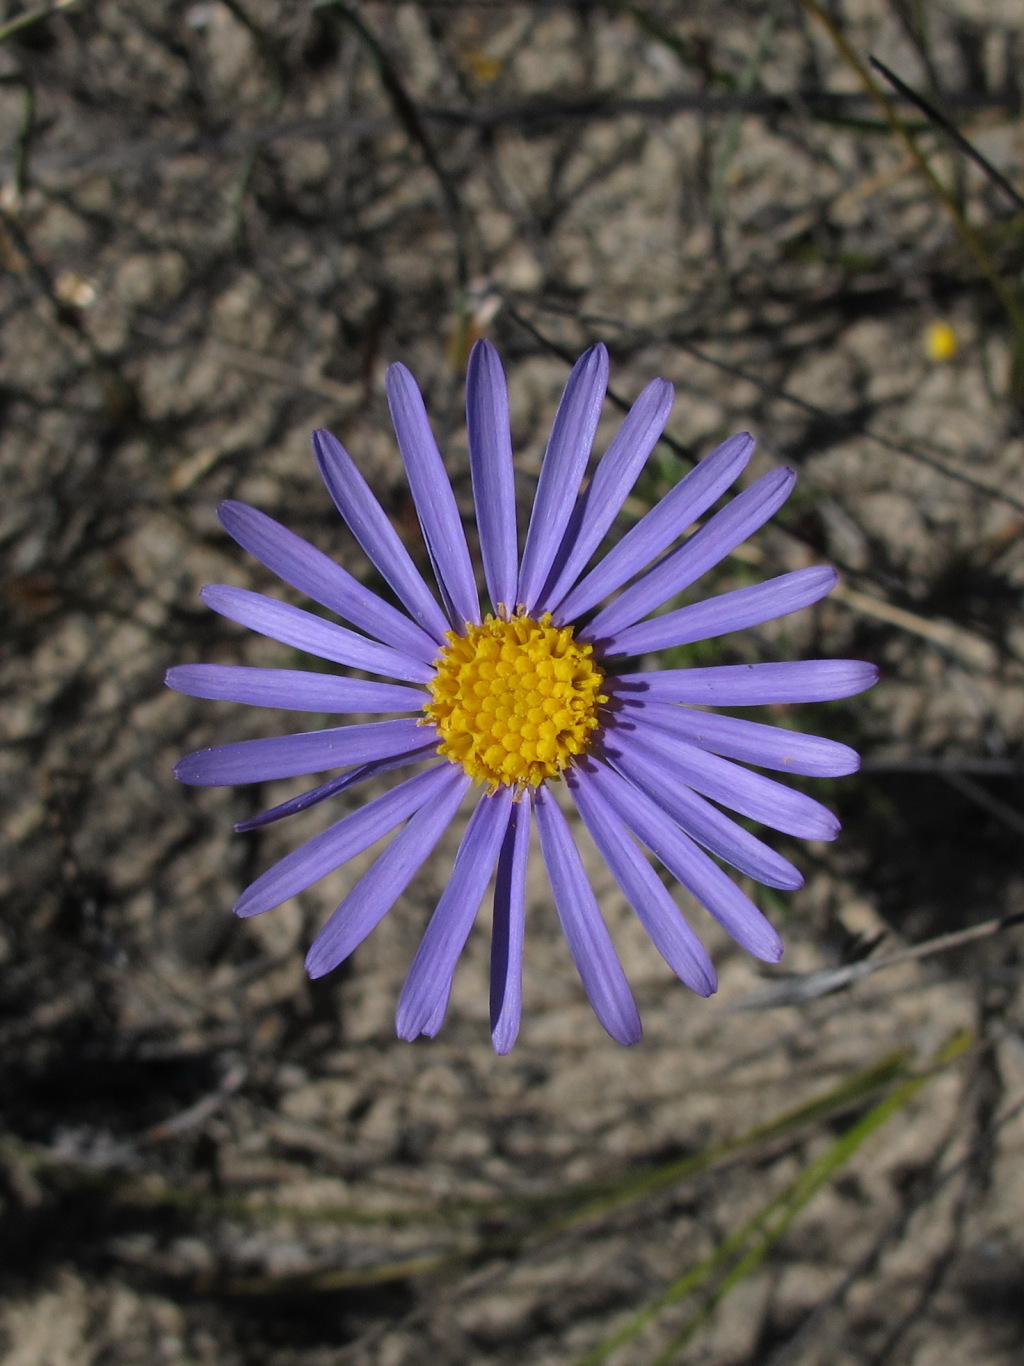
739	1254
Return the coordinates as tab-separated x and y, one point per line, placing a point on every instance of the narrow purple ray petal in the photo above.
702	821
383	883
565	460
789	751
585	931
293	689
315	574
424	998
618	471
287	756
432	1024
315	795
722	533
751	685
305	631
643	889
508	930
346	838
665	522
490	459
698	873
734	611
432	494
369	524
751	794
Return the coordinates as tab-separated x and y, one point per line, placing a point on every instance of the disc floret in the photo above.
515	699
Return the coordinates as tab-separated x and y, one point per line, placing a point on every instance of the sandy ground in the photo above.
220	223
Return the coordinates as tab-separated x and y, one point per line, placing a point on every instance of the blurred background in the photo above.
219	222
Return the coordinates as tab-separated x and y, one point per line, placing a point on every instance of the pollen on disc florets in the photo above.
515	700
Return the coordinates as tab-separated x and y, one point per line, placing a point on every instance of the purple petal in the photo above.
658	777
433	1022
706	548
490	458
698	873
565	460
315	795
383	883
751	794
424	998
292	626
643	889
751	685
665	522
789	751
369	524
735	611
348	837
287	756
315	574
432	494
618	471
293	689
586	933
508	930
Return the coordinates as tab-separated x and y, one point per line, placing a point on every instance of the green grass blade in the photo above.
740	1254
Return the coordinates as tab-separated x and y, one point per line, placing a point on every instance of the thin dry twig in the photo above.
809	986
952	132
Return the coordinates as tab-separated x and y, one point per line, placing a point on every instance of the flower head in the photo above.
505	703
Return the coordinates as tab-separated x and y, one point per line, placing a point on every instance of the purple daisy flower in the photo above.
506	702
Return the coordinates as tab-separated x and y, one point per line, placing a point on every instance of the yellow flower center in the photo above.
514	701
